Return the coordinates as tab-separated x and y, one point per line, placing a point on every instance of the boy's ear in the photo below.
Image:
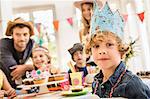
123	50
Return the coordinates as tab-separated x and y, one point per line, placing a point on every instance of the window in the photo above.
43	23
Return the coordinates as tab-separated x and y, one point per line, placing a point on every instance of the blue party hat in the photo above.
106	20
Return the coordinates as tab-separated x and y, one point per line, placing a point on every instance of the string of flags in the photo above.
140	15
70	20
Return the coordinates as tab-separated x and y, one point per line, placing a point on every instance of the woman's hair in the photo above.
44	49
102	35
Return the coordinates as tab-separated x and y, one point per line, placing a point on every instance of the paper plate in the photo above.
70	93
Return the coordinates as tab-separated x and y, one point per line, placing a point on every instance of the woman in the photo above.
86	7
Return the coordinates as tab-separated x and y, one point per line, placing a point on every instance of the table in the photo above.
57	95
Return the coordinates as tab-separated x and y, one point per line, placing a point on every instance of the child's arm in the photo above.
7	87
2	92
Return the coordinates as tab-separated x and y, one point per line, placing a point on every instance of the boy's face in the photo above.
105	53
39	58
78	57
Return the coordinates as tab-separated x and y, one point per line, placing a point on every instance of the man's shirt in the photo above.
10	57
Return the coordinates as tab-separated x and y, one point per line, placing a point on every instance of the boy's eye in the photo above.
109	44
41	55
81	52
96	46
89	9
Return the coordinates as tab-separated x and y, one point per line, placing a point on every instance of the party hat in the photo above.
106	20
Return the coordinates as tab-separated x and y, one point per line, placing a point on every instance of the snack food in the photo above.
39	81
54	87
51	78
28	81
56	77
59	77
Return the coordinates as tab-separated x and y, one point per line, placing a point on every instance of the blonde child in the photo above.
114	80
42	60
42	64
7	89
107	49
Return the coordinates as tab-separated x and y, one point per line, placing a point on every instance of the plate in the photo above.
35	85
70	93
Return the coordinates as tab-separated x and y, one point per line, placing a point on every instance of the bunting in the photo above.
56	25
0	22
38	27
70	21
125	17
141	16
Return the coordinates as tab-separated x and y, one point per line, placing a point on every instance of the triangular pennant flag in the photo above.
141	16
38	27
125	17
70	21
0	22
56	25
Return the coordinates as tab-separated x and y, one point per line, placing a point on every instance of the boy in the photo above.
77	56
113	80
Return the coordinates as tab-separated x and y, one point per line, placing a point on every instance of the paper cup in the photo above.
76	78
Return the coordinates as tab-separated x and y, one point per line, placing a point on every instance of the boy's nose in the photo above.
102	52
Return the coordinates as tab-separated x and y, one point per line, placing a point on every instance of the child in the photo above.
42	60
113	80
42	63
7	89
77	56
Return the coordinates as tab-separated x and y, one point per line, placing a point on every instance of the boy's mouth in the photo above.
103	59
79	59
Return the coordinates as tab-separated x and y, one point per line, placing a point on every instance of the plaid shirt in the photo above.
130	86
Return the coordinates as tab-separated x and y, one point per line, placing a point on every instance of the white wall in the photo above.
5	6
66	35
